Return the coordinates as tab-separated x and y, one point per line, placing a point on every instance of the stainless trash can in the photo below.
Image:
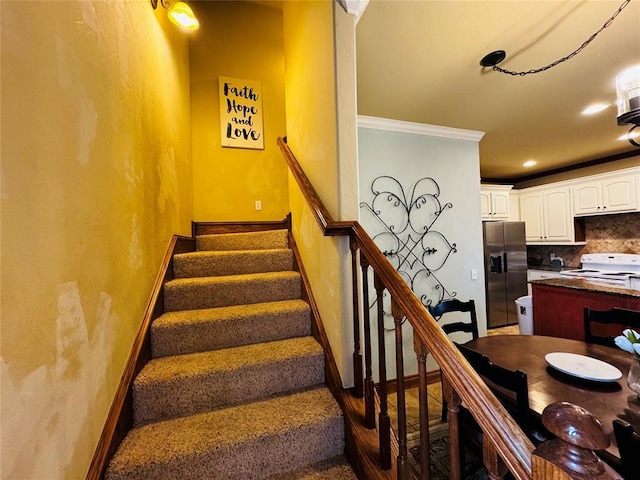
525	314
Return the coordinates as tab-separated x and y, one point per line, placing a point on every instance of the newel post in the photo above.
571	455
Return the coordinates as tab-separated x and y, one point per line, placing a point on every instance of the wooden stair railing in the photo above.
503	437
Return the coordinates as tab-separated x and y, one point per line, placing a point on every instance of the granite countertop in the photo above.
582	284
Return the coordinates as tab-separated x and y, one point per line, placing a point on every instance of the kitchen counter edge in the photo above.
581	284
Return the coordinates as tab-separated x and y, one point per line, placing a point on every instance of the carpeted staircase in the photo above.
235	389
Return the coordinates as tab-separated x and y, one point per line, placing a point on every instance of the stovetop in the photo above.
607	268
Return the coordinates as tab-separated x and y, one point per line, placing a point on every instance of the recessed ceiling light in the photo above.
626	136
529	163
595	108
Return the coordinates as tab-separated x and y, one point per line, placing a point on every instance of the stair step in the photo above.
191	331
333	469
266	240
212	264
250	441
211	292
183	385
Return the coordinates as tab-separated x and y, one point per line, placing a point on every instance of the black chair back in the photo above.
509	386
629	447
620	317
456	305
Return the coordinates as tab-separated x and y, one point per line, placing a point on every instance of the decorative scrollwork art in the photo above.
408	237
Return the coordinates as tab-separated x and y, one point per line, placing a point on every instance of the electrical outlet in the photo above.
474	274
258	205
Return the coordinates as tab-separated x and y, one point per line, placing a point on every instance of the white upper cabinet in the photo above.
558	221
547	215
607	193
494	202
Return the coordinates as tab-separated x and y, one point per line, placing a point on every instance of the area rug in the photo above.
440	456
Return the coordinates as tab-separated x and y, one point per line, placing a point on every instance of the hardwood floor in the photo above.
508	330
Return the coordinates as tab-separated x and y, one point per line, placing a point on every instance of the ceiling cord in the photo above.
492	59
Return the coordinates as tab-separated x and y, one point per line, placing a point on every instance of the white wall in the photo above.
385	148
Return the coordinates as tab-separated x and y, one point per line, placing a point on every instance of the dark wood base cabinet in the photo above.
559	311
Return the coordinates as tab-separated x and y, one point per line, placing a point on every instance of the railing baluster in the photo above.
357	354
403	465
384	423
425	460
369	394
490	459
453	408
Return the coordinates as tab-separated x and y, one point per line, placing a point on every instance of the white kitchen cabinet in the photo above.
494	202
514	205
604	194
547	215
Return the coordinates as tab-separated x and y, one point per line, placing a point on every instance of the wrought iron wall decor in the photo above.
408	237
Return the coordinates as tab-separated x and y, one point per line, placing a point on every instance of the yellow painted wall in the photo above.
240	40
96	177
314	134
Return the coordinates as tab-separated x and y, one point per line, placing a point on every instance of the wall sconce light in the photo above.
179	13
628	98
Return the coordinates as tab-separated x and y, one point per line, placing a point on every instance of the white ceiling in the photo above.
418	61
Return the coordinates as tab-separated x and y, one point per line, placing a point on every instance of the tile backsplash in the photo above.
619	233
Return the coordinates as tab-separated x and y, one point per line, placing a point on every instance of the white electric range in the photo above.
614	269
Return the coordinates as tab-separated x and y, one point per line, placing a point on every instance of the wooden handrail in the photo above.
320	213
502	435
510	441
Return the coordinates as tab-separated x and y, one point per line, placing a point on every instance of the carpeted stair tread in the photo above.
190	331
211	292
333	469
232	262
266	240
186	384
253	440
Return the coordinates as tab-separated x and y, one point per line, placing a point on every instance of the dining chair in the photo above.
620	317
455	305
629	447
511	388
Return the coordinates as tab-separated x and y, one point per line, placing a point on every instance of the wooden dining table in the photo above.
606	400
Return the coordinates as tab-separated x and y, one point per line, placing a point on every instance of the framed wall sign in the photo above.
241	113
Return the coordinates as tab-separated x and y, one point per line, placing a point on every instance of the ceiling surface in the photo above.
418	61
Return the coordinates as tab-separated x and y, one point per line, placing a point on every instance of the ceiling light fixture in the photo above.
529	163
179	13
628	98
595	108
494	58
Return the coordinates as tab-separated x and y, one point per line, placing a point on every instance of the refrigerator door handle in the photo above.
504	262
495	261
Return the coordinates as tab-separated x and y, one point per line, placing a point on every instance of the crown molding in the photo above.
390	125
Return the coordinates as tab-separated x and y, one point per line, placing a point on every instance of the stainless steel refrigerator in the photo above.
505	263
